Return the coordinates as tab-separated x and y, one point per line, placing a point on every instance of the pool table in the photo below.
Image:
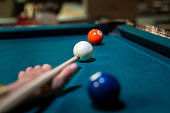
142	66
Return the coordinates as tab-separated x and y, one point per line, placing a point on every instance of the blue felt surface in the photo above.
143	74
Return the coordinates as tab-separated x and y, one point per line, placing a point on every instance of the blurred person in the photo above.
48	13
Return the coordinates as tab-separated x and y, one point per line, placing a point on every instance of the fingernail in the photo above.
73	66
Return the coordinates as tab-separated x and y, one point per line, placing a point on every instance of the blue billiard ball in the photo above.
103	89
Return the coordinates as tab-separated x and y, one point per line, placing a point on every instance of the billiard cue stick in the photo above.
16	97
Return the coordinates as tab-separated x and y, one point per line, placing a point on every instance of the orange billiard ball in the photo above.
95	36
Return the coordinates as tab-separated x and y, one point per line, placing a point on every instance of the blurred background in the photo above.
52	12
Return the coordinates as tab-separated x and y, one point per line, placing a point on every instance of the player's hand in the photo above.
33	72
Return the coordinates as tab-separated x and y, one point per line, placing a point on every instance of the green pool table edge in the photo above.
42	31
155	42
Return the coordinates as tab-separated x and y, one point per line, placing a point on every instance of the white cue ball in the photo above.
84	50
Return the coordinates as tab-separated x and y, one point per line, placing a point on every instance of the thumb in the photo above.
59	80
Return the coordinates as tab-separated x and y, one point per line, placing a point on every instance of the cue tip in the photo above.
78	57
